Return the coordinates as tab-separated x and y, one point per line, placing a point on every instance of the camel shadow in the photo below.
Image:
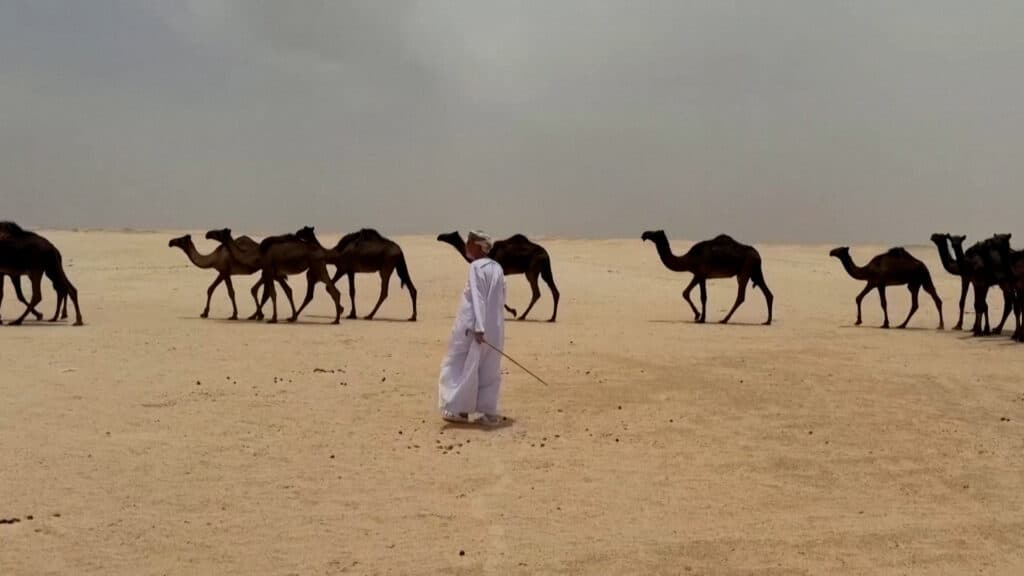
506	422
35	324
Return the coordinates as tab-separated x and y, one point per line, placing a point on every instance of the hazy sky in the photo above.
815	120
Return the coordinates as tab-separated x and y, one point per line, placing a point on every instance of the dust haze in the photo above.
799	121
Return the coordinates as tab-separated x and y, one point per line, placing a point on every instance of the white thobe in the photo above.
471	373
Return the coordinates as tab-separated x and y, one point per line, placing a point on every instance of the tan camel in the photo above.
226	266
244	253
29	254
517	255
897	267
289	254
720	257
365	251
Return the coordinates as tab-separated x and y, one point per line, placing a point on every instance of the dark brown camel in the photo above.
365	251
226	266
517	255
720	257
244	254
288	254
985	268
894	268
29	254
62	299
949	262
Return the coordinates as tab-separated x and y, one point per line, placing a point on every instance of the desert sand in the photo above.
151	441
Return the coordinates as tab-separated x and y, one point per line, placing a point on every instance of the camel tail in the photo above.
403	272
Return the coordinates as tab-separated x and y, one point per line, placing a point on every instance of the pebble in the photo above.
462	552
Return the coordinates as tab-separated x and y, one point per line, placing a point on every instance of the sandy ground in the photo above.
153	442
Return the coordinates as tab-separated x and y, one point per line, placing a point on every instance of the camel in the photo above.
9	227
950	263
986	266
517	255
894	268
363	252
720	257
26	253
226	266
290	254
244	254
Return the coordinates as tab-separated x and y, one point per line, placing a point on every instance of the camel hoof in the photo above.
204	315
370	317
78	323
293	319
235	317
351	316
413	319
272	321
551	320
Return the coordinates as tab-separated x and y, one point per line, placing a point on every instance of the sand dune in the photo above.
153	442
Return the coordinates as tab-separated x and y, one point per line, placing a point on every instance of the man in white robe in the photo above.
471	373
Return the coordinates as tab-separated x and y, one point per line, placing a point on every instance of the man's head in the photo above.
478	245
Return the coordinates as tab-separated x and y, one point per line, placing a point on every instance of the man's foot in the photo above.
490	420
460	418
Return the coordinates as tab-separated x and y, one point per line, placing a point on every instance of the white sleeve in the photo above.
478	293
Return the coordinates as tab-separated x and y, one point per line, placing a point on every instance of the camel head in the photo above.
939	238
223	235
957	240
840	252
453	238
306	234
181	242
656	236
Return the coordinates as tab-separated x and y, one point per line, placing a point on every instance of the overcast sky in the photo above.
812	121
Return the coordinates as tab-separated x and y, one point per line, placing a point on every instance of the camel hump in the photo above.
518	238
11	229
724	238
364	235
898	251
267	243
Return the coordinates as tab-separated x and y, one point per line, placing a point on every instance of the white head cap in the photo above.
481	239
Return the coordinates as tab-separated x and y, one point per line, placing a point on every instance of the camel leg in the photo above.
258	314
885	306
269	292
352	294
21	296
1	292
930	289
914	290
531	277
209	295
62	298
741	296
769	298
860	299
231	294
549	279
980	310
321	275
686	296
385	281
311	282
283	282
703	302
412	295
964	284
1007	308
36	279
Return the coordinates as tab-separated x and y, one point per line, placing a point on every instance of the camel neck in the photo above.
460	247
200	260
948	262
670	260
852	269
